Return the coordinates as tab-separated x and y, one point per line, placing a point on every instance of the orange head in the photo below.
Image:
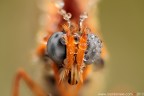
72	50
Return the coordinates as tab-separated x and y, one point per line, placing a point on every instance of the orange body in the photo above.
75	7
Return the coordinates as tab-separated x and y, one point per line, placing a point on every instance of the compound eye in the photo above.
93	50
56	48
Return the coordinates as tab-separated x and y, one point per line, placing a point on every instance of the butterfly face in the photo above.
72	51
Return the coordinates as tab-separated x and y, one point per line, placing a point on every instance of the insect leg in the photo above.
21	74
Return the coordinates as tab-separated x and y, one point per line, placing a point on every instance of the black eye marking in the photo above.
93	50
56	35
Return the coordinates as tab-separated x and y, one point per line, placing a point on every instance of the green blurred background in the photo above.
122	26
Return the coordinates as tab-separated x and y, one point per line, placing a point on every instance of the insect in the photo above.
69	48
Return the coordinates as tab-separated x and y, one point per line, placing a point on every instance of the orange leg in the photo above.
31	84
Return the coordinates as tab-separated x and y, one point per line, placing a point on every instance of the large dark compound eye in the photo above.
56	48
93	50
